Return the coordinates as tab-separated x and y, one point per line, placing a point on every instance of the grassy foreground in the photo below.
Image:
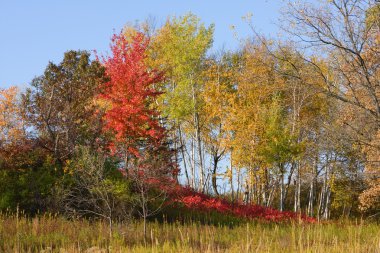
56	234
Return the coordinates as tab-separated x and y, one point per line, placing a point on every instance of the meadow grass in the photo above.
51	233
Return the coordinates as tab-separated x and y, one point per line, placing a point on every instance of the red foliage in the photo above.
130	93
198	201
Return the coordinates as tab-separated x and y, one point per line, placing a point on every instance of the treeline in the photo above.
292	124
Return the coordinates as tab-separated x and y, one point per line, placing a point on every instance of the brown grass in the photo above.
50	233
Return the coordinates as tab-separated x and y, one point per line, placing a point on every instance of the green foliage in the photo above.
94	187
28	186
373	17
61	108
277	146
179	48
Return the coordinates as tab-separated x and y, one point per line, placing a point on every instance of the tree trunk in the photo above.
192	163
199	145
246	192
214	170
297	191
282	190
327	192
286	187
231	180
326	211
295	195
270	197
238	185
110	228
145	229
176	154
313	188
323	196
183	154
144	220
310	206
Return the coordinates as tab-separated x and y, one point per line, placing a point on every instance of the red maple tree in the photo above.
129	93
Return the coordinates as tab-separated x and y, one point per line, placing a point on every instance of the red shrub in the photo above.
198	201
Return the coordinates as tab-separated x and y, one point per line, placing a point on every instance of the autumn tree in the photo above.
61	107
139	137
129	95
220	74
345	34
26	175
11	122
153	178
179	48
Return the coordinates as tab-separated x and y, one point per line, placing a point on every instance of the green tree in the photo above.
61	106
179	48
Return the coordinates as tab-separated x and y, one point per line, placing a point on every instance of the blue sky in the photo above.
32	33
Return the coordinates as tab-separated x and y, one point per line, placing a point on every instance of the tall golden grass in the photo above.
52	233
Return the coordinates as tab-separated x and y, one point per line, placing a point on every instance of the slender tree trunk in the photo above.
313	187
295	195
176	154
144	213
183	154
238	185
282	189
311	199
254	191
270	197
144	229
326	211
323	196
297	190
214	170
193	163
110	227
266	192
263	194
198	139
327	192
231	180
286	187
126	161
246	192
200	154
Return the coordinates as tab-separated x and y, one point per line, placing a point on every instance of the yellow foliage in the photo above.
11	123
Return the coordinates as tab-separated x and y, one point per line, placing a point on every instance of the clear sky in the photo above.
34	32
